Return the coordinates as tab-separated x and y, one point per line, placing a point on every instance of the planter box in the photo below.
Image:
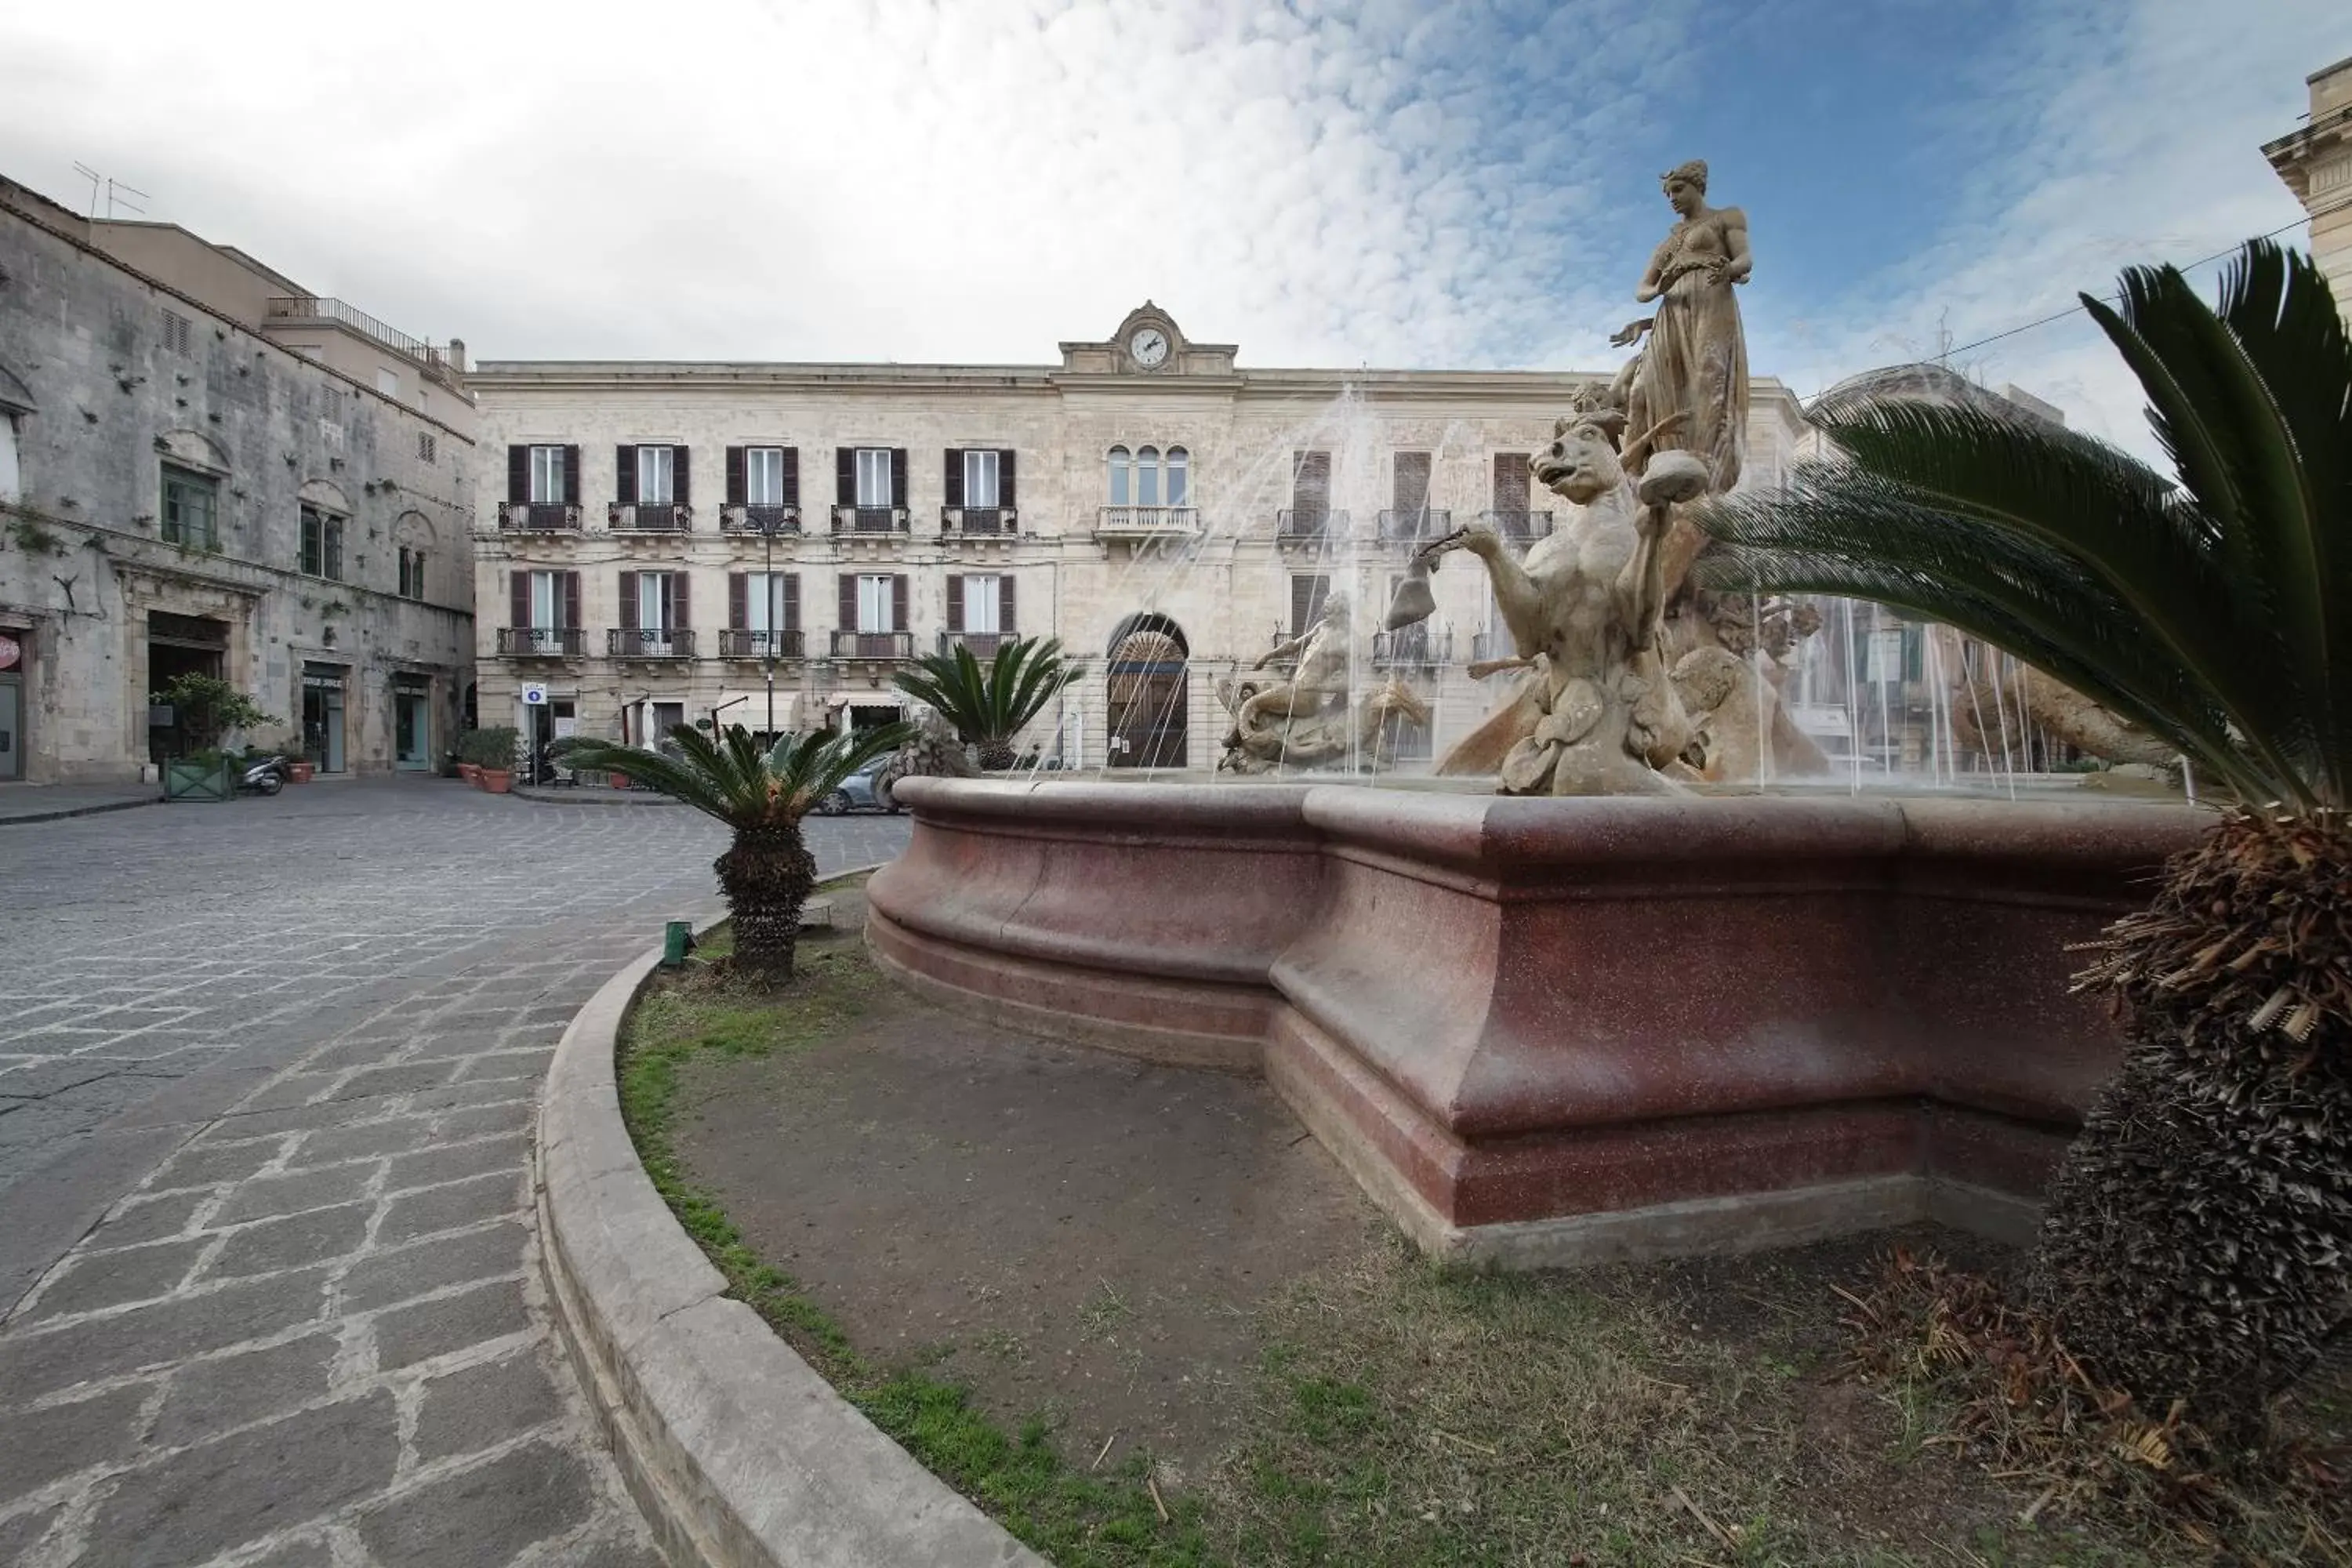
300	772
498	781
200	780
620	781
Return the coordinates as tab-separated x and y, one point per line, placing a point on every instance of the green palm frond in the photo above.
731	779
989	704
2216	611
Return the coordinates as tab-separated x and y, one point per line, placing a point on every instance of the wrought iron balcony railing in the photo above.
1310	523
991	522
739	643
1411	527
873	645
1147	521
1519	526
1413	648
760	519
1487	646
869	519
984	644
537	517
542	642
648	516
649	643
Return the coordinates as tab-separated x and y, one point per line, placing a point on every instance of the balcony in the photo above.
647	516
1309	524
873	645
760	519
738	643
632	643
1147	522
979	521
984	644
1402	527
870	521
542	642
537	517
1489	646
1413	647
1518	526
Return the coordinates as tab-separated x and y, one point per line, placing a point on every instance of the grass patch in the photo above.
1075	1517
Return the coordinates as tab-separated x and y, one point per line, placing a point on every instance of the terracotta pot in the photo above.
471	772
300	772
498	781
620	781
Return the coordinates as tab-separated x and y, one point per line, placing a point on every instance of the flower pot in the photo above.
620	781
300	772
471	772
199	781
498	781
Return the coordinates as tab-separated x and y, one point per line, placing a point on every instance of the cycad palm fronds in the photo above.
991	703
731	779
2217	612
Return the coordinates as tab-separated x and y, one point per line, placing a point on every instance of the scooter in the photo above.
265	775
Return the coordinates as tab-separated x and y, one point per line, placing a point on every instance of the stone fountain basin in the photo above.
1556	1031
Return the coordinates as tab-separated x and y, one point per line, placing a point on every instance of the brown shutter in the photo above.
1004	479
517	475
792	602
571	476
955	476
518	590
844	476
898	482
628	600
791	494
1004	604
955	603
681	479
739	597
849	600
572	598
1409	483
1511	481
624	474
680	617
900	621
735	490
1310	485
1307	593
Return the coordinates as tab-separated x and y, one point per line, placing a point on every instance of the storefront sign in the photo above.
10	651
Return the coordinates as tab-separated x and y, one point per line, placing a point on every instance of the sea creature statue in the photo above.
935	751
1300	717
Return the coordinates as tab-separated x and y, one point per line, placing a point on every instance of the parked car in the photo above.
860	792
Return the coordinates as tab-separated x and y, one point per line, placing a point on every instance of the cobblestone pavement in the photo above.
268	1294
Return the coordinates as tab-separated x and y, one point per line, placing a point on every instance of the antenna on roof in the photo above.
117	193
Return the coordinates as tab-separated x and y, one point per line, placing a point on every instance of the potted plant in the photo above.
200	775
492	752
204	709
300	769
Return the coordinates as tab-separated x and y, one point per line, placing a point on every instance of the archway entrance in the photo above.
1148	696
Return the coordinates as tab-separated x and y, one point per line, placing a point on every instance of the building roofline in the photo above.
2313	79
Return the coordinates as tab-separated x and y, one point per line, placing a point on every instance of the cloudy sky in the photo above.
1468	183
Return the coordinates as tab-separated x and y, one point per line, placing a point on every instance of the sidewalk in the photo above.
47	803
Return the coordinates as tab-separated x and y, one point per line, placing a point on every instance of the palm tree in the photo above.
767	872
2198	1243
990	704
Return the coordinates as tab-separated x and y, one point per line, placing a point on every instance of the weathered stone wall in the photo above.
82	566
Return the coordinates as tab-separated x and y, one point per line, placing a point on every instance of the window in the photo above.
763	476
547	484
874	483
1146	477
1180	489
412	572
654	602
548	600
1307	592
190	509
176	335
1409	488
1120	466
980	478
322	543
9	478
655	468
770	603
878	598
983	600
331	407
388	383
1511	478
428	450
1310	485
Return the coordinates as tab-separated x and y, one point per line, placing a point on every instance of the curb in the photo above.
740	1453
546	797
10	819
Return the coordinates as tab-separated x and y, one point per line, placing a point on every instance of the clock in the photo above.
1150	347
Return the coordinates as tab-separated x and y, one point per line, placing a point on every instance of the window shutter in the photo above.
738	600
628	600
624	474
900	621
1511	481
1005	480
571	476
849	600
898	482
844	476
791	476
517	476
518	590
791	602
681	485
1005	603
680	618
955	476
955	603
572	598
735	490
1306	591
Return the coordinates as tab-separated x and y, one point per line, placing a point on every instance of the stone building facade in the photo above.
2317	165
180	491
649	533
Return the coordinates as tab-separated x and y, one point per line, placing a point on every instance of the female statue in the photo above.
1696	363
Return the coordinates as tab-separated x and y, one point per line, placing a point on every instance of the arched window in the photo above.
1146	477
1179	489
1119	495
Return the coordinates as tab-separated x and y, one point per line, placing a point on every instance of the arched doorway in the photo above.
1148	694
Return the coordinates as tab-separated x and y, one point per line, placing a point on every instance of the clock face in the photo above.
1150	347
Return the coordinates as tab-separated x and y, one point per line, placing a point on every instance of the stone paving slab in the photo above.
268	1291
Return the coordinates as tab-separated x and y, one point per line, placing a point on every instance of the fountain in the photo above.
1606	1010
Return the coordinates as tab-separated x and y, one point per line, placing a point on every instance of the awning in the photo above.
750	708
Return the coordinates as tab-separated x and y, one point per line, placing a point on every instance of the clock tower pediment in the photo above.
1148	343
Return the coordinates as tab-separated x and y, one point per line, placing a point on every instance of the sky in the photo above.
1465	185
